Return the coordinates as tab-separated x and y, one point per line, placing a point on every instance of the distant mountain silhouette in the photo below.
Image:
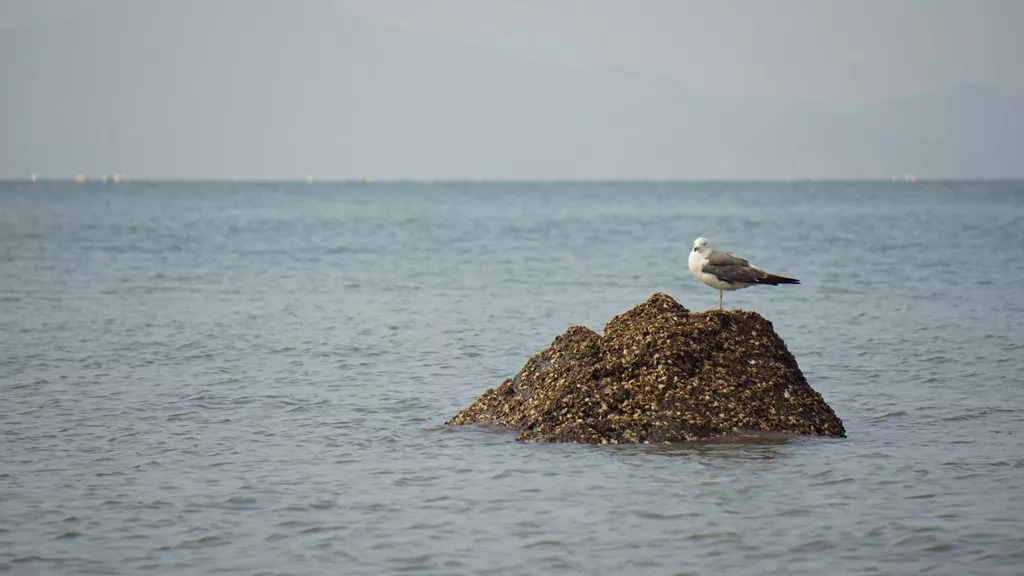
325	93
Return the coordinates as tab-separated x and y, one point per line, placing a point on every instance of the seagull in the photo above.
724	271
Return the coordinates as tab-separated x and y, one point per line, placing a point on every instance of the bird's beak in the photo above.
694	248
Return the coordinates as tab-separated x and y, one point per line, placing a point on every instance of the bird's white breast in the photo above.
695	262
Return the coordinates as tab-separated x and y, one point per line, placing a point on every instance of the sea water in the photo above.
212	378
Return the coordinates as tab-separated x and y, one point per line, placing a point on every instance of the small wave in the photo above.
647	514
178	415
411	563
203	542
240	502
701	536
545	543
835	481
816	545
887	416
980	412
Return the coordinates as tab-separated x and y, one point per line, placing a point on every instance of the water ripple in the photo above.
251	379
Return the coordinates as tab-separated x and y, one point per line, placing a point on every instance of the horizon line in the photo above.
122	179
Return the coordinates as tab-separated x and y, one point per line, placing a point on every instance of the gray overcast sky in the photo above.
841	53
512	89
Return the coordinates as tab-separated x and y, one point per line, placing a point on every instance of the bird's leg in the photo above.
719	299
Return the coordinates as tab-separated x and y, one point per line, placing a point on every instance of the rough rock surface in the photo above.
659	374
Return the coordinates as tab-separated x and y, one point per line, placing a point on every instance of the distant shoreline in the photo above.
308	180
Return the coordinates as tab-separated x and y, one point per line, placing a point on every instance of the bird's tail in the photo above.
775	280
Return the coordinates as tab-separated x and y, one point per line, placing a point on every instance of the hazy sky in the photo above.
840	53
512	89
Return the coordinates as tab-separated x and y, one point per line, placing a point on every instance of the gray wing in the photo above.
725	259
729	268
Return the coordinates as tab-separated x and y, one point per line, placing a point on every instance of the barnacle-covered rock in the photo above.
659	374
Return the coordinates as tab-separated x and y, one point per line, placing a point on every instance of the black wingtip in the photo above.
773	280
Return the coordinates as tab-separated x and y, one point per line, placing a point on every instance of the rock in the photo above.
659	374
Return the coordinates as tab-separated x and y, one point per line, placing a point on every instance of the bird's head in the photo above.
700	244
